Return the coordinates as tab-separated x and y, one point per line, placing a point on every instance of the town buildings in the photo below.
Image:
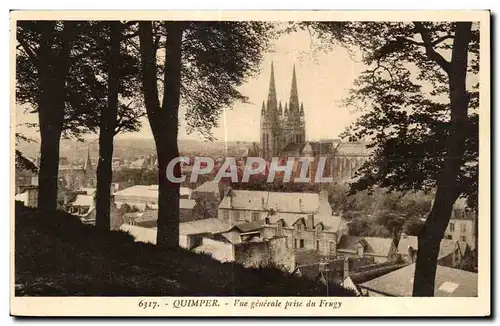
452	253
83	205
305	219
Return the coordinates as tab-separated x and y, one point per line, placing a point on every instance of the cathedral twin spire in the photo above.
272	106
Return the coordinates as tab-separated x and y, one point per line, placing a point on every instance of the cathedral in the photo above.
283	134
281	127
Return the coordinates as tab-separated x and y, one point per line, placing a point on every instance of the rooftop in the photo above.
372	245
208	225
450	282
291	202
447	246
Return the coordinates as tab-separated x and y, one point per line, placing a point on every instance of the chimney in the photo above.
310	221
412	253
346	268
32	196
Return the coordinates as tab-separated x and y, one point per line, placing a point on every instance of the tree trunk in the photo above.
107	132
53	69
164	123
447	184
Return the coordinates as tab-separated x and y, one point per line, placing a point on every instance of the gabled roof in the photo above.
450	282
208	225
209	186
463	246
374	246
446	248
406	241
249	226
331	223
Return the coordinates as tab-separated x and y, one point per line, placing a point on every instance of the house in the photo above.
29	196
190	233
146	198
139	196
450	282
449	251
304	219
463	224
84	206
381	249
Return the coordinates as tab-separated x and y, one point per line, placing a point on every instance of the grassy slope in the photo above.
55	255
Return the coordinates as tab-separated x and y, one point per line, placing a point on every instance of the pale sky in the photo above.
323	79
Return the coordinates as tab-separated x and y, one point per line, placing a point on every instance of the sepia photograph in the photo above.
250	163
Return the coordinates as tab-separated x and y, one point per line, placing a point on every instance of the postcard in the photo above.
250	163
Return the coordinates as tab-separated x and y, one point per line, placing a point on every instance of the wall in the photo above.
244	215
457	233
115	217
218	250
274	251
233	236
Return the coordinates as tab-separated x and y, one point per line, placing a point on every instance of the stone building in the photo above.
76	177
283	134
305	220
281	127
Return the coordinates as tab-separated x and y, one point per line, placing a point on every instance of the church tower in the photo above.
270	124
281	126
295	130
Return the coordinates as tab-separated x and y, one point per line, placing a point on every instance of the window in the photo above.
255	216
295	243
463	227
452	227
331	247
299	227
279	229
301	243
317	244
238	216
449	237
462	238
225	215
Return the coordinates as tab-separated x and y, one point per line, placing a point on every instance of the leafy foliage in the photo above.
86	85
403	97
22	162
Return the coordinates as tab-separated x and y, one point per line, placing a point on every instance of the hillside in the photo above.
56	255
129	148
